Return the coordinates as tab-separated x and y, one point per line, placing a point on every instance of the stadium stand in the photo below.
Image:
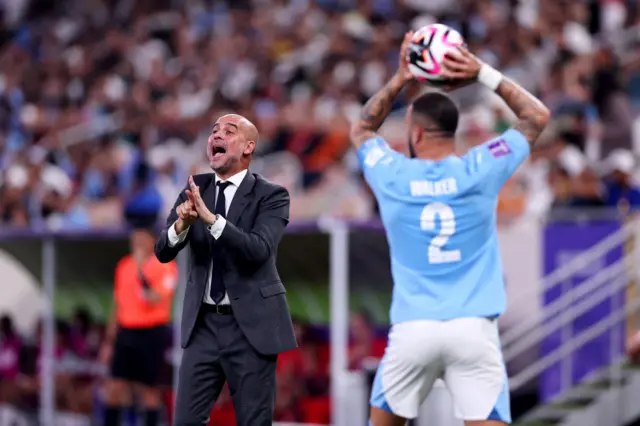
105	107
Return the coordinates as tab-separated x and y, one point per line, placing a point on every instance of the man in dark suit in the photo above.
236	318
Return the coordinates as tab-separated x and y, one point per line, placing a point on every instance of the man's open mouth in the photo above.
218	151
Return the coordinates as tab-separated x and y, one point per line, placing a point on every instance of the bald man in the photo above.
236	319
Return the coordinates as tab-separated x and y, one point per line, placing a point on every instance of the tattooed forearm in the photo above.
375	111
532	115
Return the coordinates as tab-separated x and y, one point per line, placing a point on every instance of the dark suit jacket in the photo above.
256	221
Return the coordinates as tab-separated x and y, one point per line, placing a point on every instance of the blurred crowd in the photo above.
77	347
302	374
105	106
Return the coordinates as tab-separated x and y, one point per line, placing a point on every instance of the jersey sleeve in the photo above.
380	164
495	161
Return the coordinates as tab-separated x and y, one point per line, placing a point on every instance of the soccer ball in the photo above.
428	46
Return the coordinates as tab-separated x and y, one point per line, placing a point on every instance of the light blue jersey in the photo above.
440	220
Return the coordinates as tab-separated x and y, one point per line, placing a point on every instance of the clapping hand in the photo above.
187	212
199	205
187	215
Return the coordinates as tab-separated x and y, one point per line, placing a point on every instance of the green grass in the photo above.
572	404
308	301
630	366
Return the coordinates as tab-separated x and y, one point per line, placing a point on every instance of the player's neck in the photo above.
436	149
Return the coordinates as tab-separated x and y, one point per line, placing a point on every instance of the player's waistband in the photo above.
404	317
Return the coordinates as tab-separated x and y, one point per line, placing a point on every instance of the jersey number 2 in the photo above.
447	228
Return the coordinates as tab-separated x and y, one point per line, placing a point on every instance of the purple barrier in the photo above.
562	241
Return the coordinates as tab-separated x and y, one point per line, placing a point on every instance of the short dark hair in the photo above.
436	111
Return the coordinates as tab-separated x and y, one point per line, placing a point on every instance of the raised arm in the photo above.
465	68
375	111
379	105
532	114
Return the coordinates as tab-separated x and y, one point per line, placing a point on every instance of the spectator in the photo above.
364	347
100	104
612	104
287	408
79	335
304	370
9	350
620	190
292	364
144	201
67	396
10	346
570	191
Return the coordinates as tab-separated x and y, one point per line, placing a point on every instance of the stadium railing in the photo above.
590	308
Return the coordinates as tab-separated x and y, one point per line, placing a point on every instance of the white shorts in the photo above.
464	352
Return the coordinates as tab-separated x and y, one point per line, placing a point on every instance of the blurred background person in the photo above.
10	346
612	103
365	348
620	188
138	333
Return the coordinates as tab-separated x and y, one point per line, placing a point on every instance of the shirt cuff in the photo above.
175	239
217	227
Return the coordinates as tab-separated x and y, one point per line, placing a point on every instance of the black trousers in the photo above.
218	352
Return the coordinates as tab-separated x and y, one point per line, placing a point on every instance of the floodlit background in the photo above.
94	91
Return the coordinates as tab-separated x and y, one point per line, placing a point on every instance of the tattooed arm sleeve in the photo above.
374	112
532	115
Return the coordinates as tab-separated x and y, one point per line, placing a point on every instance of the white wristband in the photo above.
489	76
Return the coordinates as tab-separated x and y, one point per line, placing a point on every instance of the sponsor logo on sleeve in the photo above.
374	155
499	148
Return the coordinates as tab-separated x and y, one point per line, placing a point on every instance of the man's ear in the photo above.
249	148
412	151
416	137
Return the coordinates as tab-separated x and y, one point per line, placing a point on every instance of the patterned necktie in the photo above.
217	284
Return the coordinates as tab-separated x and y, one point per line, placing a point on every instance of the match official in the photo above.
138	333
235	318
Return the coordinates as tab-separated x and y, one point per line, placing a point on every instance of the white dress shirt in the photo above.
215	229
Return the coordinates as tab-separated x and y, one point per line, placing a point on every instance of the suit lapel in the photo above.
209	193
241	198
